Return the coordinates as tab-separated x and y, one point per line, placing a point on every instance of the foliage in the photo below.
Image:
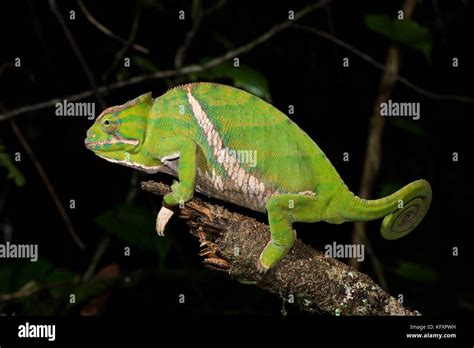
408	126
135	225
243	77
13	172
415	271
405	31
41	288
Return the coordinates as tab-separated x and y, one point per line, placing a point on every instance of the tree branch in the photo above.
193	68
107	31
232	242
403	80
182	51
49	186
126	45
85	67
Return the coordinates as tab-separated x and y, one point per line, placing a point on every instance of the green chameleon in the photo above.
231	145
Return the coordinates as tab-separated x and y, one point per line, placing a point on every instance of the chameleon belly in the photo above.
224	189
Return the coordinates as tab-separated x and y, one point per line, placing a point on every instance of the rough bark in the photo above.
232	242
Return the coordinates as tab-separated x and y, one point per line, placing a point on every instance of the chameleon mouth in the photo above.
92	144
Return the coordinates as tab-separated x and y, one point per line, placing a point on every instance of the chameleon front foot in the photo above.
164	215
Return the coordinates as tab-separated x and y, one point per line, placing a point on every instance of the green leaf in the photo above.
153	5
135	225
84	291
404	31
145	64
415	271
56	285
243	77
16	273
13	172
408	126
122	74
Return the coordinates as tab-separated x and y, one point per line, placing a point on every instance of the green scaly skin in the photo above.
191	131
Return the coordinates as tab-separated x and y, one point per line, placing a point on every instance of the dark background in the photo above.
333	104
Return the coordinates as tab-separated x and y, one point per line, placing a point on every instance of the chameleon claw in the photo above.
164	215
261	268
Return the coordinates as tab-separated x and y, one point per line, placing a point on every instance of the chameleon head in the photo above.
119	131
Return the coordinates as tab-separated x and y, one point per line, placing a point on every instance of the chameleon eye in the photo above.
109	126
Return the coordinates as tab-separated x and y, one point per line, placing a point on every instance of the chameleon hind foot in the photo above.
261	268
283	210
273	253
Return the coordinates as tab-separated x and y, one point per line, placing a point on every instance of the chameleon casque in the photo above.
193	132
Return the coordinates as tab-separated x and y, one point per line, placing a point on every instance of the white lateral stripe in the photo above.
136	165
307	193
115	141
247	182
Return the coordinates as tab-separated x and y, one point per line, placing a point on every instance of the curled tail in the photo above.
402	211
